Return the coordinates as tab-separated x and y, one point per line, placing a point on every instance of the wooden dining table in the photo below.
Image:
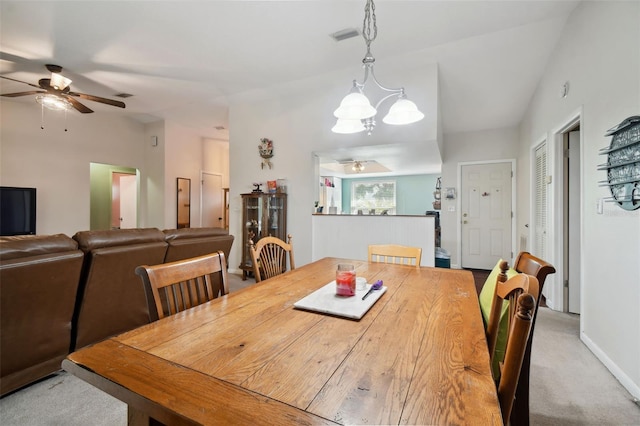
418	356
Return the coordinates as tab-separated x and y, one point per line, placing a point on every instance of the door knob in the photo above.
465	215
464	221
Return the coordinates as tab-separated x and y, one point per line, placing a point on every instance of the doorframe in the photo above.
202	173
459	204
557	208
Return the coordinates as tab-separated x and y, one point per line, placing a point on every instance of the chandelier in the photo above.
355	112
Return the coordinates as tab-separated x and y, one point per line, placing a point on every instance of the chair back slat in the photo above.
396	254
176	286
269	257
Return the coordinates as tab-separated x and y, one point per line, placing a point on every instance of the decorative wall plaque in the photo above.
266	152
623	163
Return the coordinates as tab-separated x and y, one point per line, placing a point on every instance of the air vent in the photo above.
123	95
345	34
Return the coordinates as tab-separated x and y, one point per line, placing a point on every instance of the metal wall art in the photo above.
623	163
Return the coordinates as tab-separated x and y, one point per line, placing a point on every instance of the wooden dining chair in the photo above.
509	291
269	257
393	253
527	263
176	286
524	311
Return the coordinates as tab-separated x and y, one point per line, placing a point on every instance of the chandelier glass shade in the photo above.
357	107
53	102
403	111
346	126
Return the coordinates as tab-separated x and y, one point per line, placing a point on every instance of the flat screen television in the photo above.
17	211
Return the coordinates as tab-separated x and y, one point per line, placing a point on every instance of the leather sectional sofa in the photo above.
58	294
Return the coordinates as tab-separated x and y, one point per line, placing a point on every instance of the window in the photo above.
373	195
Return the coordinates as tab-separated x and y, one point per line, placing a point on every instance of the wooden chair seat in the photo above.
176	286
269	257
393	253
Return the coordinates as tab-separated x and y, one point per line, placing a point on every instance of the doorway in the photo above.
486	210
565	227
104	204
124	197
211	213
571	218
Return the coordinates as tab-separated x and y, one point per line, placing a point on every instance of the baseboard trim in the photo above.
629	385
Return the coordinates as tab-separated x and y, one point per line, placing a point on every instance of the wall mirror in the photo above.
184	203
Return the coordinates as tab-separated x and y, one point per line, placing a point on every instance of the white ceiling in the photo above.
188	61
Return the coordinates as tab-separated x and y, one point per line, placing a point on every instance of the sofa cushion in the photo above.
20	246
182	233
486	300
89	240
111	297
39	277
185	243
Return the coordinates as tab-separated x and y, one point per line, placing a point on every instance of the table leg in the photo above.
136	417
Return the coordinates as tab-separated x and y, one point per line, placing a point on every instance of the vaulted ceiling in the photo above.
188	61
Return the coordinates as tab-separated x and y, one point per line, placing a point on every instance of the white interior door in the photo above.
128	201
485	202
573	226
212	201
541	202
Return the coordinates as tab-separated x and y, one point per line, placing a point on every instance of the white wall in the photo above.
216	158
299	124
152	212
484	145
349	236
599	55
183	159
57	162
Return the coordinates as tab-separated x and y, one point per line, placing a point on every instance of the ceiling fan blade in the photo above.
15	95
98	99
77	105
20	81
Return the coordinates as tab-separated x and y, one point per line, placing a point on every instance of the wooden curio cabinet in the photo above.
263	215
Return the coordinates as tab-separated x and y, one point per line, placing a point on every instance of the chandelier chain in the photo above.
355	112
369	18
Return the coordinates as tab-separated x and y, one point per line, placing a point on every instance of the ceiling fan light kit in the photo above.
56	95
53	102
357	107
357	167
59	82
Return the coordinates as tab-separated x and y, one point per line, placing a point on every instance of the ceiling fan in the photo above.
357	166
57	95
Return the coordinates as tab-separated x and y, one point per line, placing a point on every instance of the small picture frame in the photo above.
450	193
